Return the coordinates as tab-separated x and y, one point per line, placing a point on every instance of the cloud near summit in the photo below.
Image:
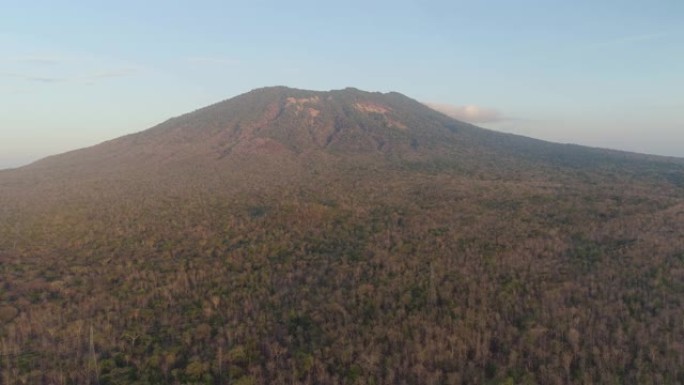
468	113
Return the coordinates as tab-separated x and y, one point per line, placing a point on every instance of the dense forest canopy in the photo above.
344	237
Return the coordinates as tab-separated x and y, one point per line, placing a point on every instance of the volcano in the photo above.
293	236
288	128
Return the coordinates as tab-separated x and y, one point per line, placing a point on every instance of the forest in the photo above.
414	278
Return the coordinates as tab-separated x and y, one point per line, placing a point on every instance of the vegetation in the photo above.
382	268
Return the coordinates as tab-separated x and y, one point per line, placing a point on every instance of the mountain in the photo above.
278	124
292	236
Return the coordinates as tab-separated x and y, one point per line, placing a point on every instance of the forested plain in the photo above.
356	270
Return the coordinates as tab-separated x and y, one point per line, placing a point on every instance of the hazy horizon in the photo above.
76	74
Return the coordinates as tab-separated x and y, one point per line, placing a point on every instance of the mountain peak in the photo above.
296	121
294	127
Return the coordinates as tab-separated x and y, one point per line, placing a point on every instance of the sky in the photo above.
602	73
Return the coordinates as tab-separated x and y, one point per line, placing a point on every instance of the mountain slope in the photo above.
288	236
279	124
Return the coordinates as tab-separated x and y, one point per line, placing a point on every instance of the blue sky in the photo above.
602	73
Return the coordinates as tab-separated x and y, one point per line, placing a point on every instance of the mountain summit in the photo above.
282	120
281	123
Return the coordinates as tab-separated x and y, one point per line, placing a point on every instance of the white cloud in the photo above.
34	78
115	73
644	37
213	60
468	113
631	39
37	59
